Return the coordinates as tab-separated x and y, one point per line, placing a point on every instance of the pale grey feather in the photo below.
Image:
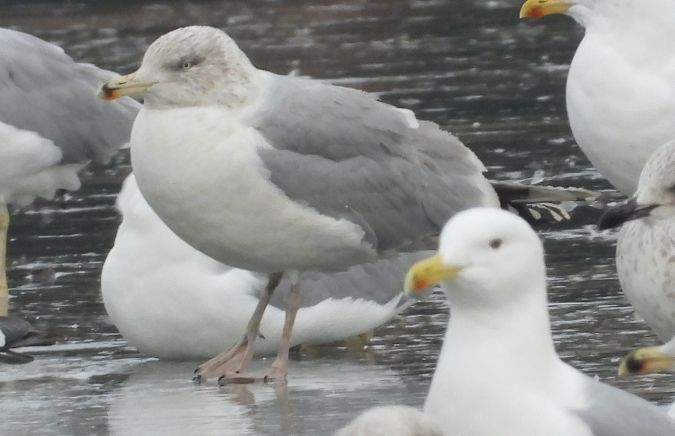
43	90
350	156
613	412
380	282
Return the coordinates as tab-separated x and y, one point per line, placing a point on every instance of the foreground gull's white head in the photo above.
481	251
190	66
655	196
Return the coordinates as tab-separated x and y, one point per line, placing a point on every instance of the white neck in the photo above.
517	335
510	347
508	341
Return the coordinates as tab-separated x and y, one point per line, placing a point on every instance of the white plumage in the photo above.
621	82
171	301
498	372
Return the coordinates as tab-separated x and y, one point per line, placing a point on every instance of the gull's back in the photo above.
44	91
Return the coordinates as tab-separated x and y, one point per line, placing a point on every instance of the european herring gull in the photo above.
621	82
389	421
171	301
51	125
283	175
645	250
498	372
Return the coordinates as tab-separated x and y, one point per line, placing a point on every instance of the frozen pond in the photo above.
471	66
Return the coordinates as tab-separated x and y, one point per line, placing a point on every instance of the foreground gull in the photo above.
283	175
51	125
14	333
498	372
171	301
391	420
621	82
646	246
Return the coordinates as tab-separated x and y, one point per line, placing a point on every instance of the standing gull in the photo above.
498	372
51	125
621	82
173	302
283	175
645	250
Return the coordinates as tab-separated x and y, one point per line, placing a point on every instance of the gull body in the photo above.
621	82
646	244
498	372
174	302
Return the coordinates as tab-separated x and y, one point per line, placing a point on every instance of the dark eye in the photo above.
495	243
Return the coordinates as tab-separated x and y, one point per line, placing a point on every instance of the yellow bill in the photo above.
428	272
646	360
541	8
123	86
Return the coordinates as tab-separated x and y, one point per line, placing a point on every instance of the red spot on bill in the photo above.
535	12
421	284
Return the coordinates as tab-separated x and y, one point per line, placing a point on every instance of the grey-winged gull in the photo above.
171	301
391	420
498	372
646	245
15	333
621	82
51	125
281	174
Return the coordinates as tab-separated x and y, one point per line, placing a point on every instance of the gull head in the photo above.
654	199
190	66
485	255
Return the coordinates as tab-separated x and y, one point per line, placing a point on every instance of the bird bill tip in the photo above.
540	8
648	360
426	273
123	86
105	92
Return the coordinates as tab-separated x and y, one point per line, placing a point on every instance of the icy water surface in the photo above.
471	66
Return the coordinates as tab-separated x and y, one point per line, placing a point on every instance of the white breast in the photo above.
620	109
199	170
29	167
645	257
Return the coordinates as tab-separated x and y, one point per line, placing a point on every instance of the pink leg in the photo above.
239	356
277	372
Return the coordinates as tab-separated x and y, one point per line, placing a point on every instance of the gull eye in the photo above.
186	65
495	243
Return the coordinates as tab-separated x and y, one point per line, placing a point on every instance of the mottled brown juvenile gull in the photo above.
645	248
282	175
621	82
498	372
51	125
